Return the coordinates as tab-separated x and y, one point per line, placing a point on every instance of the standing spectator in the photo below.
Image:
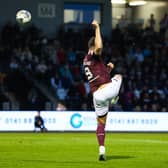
163	26
152	22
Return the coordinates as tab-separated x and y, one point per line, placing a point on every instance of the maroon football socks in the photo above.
100	132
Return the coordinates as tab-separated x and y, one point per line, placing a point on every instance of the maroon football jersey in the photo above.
95	71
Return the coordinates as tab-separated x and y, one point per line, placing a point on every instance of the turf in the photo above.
79	150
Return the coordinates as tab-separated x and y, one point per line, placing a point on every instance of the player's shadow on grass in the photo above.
112	157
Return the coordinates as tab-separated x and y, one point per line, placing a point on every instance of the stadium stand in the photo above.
42	71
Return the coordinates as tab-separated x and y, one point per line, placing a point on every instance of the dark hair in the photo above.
91	42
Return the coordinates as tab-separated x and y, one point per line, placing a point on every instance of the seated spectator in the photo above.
41	70
56	81
71	56
61	56
41	67
61	93
61	106
14	64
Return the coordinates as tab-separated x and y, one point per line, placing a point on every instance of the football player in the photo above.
104	88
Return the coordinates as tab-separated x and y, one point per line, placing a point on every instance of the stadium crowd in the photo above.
139	53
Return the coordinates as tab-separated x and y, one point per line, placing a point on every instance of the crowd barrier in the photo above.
85	121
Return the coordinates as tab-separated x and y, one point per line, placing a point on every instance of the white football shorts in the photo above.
103	96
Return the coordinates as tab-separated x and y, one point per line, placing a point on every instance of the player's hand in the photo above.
110	65
95	23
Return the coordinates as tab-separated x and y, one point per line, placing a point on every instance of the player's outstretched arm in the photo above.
98	38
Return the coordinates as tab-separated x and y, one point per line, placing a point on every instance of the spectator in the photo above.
71	56
163	26
41	70
61	56
152	22
56	81
61	93
39	123
61	106
14	64
138	55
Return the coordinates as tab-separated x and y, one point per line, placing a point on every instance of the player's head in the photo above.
91	42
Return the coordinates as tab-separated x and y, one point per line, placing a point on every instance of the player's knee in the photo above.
118	77
102	120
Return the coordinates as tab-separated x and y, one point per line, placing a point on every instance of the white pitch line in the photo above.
142	141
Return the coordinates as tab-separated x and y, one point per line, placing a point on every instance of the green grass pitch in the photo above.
80	150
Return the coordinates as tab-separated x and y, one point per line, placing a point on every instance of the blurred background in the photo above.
41	62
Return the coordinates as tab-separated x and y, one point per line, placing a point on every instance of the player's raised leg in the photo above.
110	90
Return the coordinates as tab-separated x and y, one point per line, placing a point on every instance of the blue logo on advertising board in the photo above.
76	120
